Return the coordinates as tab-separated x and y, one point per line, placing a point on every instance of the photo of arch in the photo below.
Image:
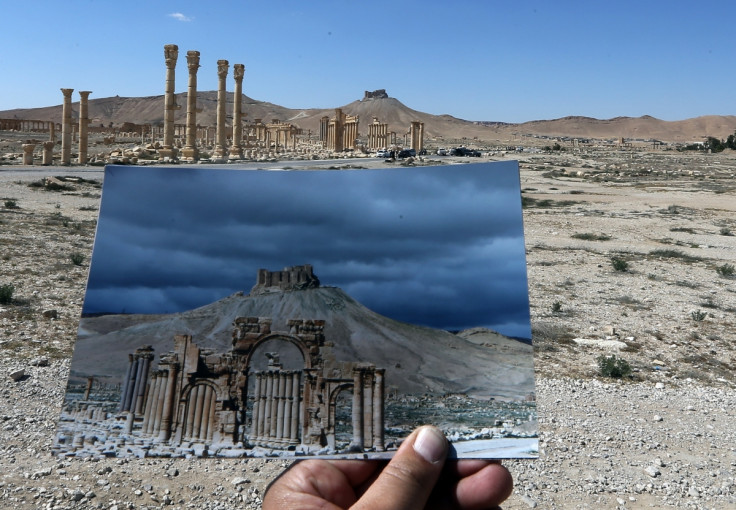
378	300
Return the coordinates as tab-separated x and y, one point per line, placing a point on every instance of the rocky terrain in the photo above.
630	253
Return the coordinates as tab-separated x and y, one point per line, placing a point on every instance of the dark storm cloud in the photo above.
441	246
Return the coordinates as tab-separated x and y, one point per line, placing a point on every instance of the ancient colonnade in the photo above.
276	409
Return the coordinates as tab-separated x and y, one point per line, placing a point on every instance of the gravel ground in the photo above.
662	438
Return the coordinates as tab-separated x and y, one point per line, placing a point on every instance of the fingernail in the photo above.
431	444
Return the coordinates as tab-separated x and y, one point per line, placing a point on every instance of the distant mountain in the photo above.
149	110
417	359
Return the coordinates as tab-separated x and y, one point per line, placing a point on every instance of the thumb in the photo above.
407	481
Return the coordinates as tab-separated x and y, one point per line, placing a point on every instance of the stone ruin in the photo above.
376	94
197	402
291	278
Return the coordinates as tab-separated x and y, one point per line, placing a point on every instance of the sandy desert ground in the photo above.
629	253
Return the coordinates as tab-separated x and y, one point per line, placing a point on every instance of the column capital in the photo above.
238	71
84	94
222	67
193	60
171	54
67	93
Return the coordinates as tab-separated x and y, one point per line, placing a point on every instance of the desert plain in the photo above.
630	253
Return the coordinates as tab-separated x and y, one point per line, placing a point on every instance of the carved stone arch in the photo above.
299	343
330	431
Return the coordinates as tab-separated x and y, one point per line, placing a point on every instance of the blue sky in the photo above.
509	61
438	246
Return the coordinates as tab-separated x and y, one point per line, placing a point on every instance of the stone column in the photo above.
83	125
126	383
171	54
140	384
169	402
66	127
357	409
48	152
88	388
220	152
28	153
378	398
256	414
294	431
236	151
189	151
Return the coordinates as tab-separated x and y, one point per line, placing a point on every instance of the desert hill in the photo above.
417	359
149	110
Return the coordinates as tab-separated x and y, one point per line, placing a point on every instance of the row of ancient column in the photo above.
199	414
377	135
190	151
135	381
417	136
368	396
160	402
276	408
66	126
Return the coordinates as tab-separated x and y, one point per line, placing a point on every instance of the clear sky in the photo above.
437	246
509	61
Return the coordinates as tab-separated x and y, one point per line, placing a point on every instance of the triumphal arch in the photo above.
195	395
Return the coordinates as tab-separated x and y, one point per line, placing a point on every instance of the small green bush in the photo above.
725	231
698	315
619	264
726	270
6	294
556	307
76	258
11	204
611	366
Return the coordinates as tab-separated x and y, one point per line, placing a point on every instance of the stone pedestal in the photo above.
28	153
48	152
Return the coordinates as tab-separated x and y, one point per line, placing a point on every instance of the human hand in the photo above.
416	477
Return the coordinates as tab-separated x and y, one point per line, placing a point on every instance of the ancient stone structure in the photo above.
83	125
190	152
416	136
220	153
197	397
66	127
340	132
236	150
291	278
28	153
376	94
48	152
171	54
377	135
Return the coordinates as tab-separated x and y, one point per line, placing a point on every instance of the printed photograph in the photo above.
237	312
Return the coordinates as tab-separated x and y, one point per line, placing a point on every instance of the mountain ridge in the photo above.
149	110
417	359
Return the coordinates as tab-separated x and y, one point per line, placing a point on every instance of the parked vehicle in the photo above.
464	151
383	154
407	153
442	151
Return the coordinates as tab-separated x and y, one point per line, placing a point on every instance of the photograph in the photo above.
295	312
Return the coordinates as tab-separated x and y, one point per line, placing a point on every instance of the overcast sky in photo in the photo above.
508	61
438	246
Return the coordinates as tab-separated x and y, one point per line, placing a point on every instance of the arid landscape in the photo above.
630	253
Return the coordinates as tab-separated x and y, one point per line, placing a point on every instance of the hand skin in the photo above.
416	477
